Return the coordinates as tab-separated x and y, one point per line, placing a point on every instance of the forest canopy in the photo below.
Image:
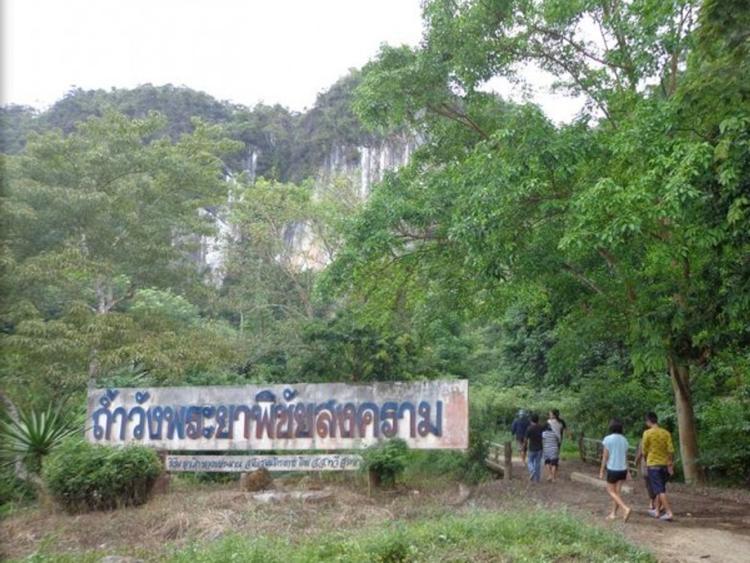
601	264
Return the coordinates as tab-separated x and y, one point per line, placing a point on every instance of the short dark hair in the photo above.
556	413
615	426
652	418
534	417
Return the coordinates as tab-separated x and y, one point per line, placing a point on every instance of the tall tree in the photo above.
92	220
629	215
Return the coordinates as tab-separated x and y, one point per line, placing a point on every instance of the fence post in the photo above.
508	460
581	450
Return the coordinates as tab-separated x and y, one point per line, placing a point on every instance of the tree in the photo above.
628	216
93	220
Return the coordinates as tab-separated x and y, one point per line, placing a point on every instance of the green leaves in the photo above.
83	476
386	460
631	221
35	435
98	220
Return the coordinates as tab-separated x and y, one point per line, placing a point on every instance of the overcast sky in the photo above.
245	51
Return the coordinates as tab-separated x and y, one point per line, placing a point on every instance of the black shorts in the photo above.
649	490
554	462
616	476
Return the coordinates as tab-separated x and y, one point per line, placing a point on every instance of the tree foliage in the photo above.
94	220
602	265
625	221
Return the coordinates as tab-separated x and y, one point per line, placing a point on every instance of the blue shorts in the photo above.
658	477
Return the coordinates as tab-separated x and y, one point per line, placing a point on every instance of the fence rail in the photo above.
590	450
499	458
499	455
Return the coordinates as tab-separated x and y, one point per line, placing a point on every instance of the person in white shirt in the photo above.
615	462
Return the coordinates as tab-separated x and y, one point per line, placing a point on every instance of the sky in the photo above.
243	51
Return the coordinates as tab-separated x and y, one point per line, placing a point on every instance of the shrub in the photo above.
83	476
13	491
496	407
609	395
386	461
725	439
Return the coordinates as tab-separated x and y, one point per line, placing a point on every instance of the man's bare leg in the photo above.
657	505
663	503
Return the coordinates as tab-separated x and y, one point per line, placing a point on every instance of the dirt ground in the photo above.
710	525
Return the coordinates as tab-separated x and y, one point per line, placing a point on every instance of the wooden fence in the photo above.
499	459
590	450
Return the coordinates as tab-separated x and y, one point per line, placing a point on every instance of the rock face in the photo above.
258	480
362	165
366	165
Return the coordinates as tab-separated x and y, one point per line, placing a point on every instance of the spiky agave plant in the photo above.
32	435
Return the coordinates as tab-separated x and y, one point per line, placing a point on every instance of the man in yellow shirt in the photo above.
659	453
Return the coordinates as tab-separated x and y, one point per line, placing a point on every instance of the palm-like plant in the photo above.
32	435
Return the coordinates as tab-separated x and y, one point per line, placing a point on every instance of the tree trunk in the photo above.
680	376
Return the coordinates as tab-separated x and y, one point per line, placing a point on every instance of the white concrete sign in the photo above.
307	416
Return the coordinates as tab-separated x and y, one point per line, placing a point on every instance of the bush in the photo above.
83	476
611	395
386	461
725	438
13	491
496	407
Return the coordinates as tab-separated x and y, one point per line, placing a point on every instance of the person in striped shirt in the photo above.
551	452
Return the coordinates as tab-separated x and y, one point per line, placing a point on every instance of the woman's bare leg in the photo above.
613	489
626	508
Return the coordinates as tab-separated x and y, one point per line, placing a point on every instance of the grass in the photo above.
569	449
530	535
478	536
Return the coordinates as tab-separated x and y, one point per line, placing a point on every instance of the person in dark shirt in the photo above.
518	428
532	446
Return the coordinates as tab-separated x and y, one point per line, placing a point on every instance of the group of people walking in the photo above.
540	444
655	461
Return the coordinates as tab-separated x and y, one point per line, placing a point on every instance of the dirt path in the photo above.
709	525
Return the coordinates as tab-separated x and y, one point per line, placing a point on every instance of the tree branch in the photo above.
583	279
